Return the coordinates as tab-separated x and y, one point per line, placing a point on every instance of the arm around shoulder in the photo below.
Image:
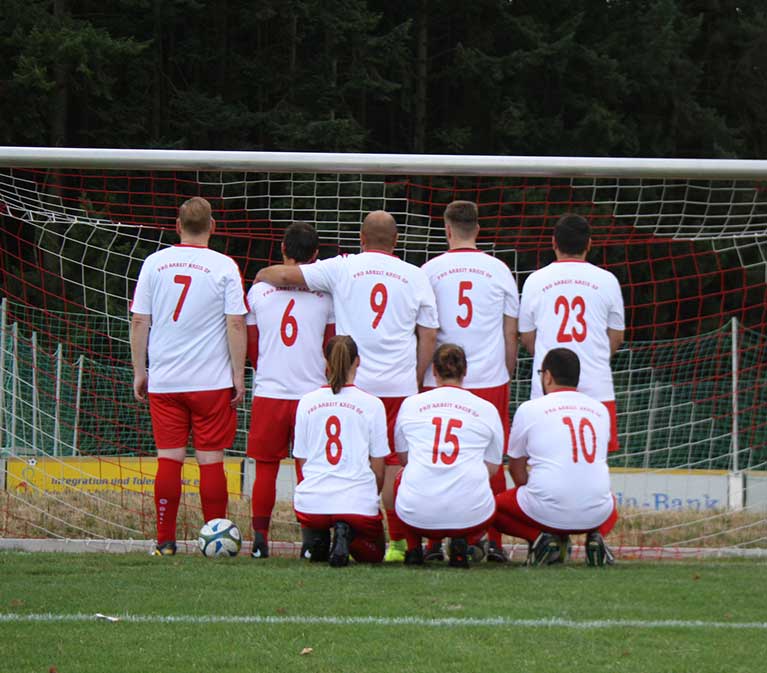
282	275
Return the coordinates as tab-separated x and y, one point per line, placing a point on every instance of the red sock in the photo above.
498	485
397	529
264	495
167	495
213	494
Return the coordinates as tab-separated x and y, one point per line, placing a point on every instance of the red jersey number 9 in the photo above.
578	332
378	300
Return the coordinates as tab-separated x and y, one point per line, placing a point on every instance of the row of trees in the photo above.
596	77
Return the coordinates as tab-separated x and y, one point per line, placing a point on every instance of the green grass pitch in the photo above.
187	613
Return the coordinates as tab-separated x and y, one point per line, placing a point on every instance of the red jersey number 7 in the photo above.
185	281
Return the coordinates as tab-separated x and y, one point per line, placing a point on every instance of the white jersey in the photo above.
337	435
378	299
474	291
564	436
189	290
571	304
448	434
291	328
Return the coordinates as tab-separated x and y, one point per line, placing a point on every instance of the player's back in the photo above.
337	434
474	291
566	434
571	304
448	433
291	328
188	290
378	299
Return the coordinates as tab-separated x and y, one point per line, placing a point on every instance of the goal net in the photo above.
687	241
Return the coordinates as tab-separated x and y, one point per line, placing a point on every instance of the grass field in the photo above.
188	613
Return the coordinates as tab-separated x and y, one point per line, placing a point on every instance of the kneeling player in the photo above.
563	437
451	443
340	444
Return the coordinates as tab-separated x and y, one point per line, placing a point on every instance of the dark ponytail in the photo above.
340	354
450	362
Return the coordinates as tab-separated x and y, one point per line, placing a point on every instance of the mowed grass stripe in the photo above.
449	622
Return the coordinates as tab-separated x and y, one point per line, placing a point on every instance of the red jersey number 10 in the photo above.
586	432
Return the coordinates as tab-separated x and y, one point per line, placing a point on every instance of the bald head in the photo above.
379	231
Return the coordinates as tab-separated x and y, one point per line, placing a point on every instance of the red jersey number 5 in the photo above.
578	307
464	300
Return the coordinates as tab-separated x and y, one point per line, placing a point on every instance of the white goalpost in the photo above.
686	238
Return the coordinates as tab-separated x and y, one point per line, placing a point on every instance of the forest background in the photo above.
652	78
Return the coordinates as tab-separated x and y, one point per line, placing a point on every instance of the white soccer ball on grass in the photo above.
220	537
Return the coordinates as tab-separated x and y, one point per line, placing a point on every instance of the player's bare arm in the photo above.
511	344
378	465
427	341
616	339
518	471
528	341
282	275
236	336
139	338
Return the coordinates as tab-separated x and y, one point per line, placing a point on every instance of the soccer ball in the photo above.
219	537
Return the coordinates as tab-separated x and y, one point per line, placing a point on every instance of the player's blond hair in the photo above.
340	354
195	215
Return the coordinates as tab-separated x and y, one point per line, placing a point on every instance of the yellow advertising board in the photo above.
56	475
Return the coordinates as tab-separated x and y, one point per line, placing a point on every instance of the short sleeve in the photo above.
323	276
616	318
494	450
379	439
300	449
427	306
250	318
234	292
527	306
142	295
510	296
518	435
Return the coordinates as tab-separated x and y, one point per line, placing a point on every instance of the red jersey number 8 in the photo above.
333	433
578	332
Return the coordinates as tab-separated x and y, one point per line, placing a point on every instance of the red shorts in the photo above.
498	396
507	505
271	428
613	445
392	405
207	414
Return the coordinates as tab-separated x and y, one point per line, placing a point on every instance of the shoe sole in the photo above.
459	554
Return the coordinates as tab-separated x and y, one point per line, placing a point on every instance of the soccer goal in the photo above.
687	240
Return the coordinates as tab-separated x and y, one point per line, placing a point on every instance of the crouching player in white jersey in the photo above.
287	328
451	443
478	305
387	306
189	307
573	304
341	444
563	438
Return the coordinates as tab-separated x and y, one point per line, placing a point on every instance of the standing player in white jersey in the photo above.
573	304
341	444
450	441
189	317
478	305
287	328
387	306
562	437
